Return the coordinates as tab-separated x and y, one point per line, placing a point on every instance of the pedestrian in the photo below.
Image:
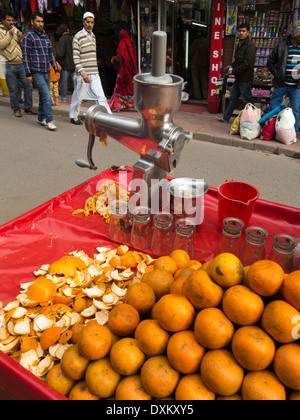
11	50
243	70
87	83
199	56
64	55
37	57
54	90
283	63
125	58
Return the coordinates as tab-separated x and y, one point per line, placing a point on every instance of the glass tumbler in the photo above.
184	236
283	251
254	248
296	265
141	230
162	234
119	227
231	237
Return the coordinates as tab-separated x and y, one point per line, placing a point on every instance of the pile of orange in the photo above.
191	332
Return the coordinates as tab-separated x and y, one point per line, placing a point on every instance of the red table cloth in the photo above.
49	231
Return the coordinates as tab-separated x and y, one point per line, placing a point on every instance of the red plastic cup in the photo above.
236	199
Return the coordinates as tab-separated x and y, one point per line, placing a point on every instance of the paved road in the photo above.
37	165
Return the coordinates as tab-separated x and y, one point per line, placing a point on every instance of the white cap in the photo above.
88	15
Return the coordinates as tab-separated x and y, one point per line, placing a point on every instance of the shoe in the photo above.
76	121
18	114
31	111
51	126
42	123
62	101
221	119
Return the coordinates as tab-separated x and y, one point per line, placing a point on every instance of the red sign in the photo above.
217	46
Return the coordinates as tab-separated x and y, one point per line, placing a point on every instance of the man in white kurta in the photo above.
87	83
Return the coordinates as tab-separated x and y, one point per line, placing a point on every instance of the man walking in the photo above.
87	83
11	50
37	57
64	55
284	64
242	68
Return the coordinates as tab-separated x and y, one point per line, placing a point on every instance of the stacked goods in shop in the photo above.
122	325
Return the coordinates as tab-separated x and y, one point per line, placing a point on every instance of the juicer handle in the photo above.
90	164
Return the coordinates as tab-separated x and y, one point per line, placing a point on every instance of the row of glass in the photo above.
143	233
254	247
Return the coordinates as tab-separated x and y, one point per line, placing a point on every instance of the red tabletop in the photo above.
49	231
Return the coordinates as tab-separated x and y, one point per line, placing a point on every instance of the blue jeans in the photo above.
238	89
16	78
294	95
63	83
42	81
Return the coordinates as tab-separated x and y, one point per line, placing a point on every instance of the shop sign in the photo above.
217	46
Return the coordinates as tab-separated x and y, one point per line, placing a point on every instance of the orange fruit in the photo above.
158	377
49	337
59	381
213	329
226	270
131	388
177	286
126	357
201	290
80	392
123	320
128	260
221	373
253	348
94	341
73	364
291	289
191	387
278	320
242	306
262	386
287	365
78	262
101	379
183	272
166	263
265	277
141	296
295	396
184	352
234	397
196	265
159	280
76	329
174	312
63	267
181	258
152	338
41	290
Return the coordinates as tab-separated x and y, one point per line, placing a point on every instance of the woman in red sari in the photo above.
122	97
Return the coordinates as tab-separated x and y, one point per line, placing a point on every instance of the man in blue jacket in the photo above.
284	64
37	57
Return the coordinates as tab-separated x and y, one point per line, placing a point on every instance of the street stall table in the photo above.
49	231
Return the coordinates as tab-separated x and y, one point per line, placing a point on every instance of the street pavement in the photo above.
37	165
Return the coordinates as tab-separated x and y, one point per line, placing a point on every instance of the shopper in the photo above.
54	89
87	83
199	57
37	57
64	55
243	69
123	97
11	50
283	63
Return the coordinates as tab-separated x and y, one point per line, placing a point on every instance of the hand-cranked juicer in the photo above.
154	137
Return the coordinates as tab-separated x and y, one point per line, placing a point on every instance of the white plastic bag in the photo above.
285	127
251	114
249	130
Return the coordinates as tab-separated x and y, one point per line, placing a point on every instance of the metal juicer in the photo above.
154	136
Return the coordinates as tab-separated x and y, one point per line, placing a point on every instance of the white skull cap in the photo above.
88	15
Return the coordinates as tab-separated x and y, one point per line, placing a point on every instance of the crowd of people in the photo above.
30	60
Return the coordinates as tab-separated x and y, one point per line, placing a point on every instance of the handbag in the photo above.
251	114
268	131
285	127
235	126
250	130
